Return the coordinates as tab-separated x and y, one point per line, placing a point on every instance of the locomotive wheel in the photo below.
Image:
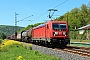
50	45
62	45
45	43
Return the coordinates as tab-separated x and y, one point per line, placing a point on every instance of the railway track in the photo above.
83	51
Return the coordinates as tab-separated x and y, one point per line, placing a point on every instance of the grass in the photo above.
19	52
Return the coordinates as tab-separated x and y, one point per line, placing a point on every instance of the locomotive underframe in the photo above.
60	42
56	42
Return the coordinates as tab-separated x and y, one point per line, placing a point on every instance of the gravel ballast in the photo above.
60	54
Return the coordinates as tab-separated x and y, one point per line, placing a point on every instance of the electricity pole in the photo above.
15	25
18	21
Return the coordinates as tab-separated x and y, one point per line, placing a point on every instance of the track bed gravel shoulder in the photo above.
61	54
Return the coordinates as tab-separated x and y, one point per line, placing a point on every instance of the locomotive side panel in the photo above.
48	30
39	33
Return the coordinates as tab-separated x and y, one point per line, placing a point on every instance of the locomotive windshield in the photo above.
59	26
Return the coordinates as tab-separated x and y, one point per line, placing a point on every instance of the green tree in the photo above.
84	14
3	36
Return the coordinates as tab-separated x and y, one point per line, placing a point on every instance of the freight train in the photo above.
52	33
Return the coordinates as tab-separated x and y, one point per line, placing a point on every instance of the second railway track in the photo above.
83	51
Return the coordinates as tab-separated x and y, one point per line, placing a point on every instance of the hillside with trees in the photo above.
8	30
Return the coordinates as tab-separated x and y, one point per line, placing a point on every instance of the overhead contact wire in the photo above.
54	7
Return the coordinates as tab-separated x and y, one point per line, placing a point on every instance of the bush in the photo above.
0	41
3	36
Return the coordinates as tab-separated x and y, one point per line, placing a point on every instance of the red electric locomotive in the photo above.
55	33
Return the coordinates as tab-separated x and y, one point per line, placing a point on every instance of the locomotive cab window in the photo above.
63	26
58	26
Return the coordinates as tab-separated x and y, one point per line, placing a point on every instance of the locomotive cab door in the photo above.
47	33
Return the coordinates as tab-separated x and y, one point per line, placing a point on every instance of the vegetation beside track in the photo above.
75	40
13	50
81	43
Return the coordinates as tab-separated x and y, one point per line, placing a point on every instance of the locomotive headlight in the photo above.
64	33
55	33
